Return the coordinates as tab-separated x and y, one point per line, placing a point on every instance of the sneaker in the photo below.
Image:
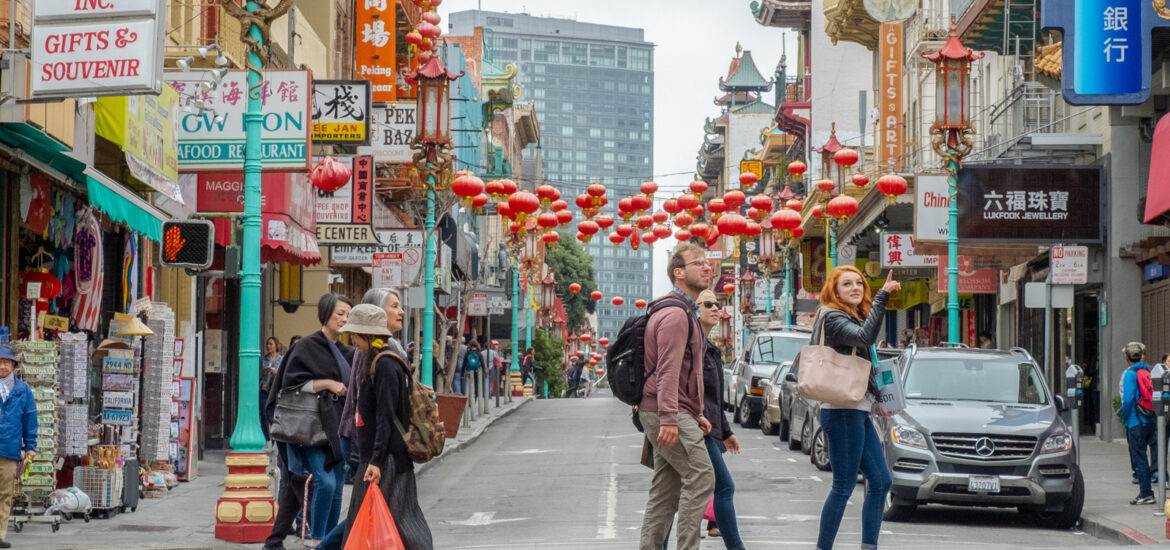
714	532
5	544
1142	500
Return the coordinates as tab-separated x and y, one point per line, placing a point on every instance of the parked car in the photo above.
770	419
981	428
729	386
765	351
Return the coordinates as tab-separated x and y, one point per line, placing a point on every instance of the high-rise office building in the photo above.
593	89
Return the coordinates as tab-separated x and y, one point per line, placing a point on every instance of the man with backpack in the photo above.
1137	412
671	407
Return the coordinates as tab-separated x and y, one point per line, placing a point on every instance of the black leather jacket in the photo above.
846	335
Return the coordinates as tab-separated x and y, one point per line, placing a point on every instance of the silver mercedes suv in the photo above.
980	428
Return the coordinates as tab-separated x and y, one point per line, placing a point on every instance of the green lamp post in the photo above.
951	133
432	159
244	513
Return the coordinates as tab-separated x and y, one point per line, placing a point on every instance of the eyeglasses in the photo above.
703	264
709	304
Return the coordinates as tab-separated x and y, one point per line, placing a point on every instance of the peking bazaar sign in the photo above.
374	52
890	97
96	48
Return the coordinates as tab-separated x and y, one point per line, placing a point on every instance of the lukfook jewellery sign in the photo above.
97	47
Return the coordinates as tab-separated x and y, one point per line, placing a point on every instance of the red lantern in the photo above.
860	180
731	224
589	228
431	17
479	201
845	157
661	231
762	203
596	190
495	188
639	303
615	239
624	230
547	194
617	300
826	185
842	206
698	187
712	234
671	206
891	185
644	221
427	30
798	233
515	227
818	212
642	202
796	168
586	337
550	237
729	288
699	230
683	220
649	237
605	221
329	175
697	211
414	38
734	199
603	341
752	229
688	201
794	204
748	179
522	204
558	205
648	188
466	186
547	220
582	237
509	186
564	217
716	206
625	206
635	239
584	201
660	217
786	220
574	288
682	235
755	214
595	295
503	210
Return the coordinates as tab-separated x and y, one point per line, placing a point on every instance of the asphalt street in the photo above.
564	474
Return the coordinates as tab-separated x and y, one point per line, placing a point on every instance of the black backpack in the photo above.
626	356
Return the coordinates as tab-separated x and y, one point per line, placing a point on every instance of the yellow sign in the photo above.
53	322
754	166
143	127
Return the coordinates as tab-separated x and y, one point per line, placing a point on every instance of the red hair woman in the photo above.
851	320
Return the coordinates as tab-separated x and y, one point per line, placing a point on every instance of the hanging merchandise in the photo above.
38	368
129	270
74	393
41	207
87	272
157	393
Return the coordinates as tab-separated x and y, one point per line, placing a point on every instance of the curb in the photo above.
472	439
1114	532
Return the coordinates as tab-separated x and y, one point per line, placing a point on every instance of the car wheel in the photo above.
748	419
793	439
767	426
783	427
1068	516
820	451
897	510
806	437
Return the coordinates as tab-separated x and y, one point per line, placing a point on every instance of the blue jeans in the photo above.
853	447
333	540
325	508
349	452
1140	438
724	491
457	383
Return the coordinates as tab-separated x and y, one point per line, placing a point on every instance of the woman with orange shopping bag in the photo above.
383	405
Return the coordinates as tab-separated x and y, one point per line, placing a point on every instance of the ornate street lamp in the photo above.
951	133
747	291
767	257
548	294
432	159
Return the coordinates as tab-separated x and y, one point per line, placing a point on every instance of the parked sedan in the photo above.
772	386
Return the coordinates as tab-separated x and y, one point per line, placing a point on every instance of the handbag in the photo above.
297	419
830	377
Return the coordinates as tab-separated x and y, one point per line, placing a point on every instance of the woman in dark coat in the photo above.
318	363
383	410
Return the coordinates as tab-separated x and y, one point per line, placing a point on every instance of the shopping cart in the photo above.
33	498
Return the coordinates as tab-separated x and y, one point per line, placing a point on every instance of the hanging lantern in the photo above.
644	222
661	231
494	188
523	204
604	221
660	217
547	221
683	220
818	212
648	188
635	239
624	230
597	191
642	202
794	204
729	288
585	337
845	157
952	78
584	202
550	238
649	237
428	30
466	186
564	217
860	180
515	227
329	175
762	203
574	288
748	179
682	235
842	206
625	207
431	17
558	205
752	229
700	230
785	221
603	341
414	38
697	211
826	185
589	228
595	295
639	303
618	300
734	199
547	194
688	201
671	206
796	168
755	213
798	233
698	187
433	104
731	224
712	234
479	201
716	206
503	210
615	239
891	185
582	237
509	186
767	251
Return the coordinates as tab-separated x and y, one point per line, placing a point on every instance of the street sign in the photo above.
387	270
846	255
754	166
1070	265
714	254
188	243
478	306
1035	295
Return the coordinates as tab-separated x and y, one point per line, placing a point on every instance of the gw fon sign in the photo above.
214	140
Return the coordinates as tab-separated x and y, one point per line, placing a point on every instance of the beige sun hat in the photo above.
367	319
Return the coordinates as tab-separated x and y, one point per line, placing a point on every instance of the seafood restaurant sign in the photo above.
213	139
97	47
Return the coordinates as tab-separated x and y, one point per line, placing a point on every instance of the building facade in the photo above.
592	87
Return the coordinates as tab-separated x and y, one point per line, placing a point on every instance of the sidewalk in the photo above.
1108	490
184	518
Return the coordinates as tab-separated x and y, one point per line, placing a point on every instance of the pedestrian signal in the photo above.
188	243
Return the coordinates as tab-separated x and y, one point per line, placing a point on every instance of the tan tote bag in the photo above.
830	377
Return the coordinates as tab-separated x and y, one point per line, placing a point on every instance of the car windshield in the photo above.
773	350
974	379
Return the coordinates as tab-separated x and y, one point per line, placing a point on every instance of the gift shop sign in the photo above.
96	47
213	140
345	216
392	132
971	280
890	97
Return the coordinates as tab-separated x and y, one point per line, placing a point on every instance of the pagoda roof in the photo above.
433	68
743	75
740	98
831	146
756	107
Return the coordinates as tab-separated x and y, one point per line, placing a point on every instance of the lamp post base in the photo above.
245	511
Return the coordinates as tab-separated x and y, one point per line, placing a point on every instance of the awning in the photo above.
282	240
122	205
36	144
1158	188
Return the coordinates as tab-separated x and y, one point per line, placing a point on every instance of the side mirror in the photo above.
1061	405
790	377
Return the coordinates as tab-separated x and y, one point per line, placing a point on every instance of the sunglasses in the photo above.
709	304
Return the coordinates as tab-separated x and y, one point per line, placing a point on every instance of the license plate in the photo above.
983	484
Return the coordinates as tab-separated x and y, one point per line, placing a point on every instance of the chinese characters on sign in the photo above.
346	215
890	97
898	251
1024	204
1108	46
1027	205
392	132
341	112
374	53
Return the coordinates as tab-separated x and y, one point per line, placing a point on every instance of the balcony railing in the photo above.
796	89
1029	108
926	31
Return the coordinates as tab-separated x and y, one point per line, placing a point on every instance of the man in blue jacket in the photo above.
1137	414
18	432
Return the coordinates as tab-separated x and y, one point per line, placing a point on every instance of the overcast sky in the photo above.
695	41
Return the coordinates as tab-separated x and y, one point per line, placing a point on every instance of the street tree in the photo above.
572	265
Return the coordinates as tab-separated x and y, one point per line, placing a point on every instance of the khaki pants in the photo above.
683	483
7	491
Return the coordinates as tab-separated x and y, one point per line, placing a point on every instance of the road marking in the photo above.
792	460
617	436
483	518
528	452
816	479
608	529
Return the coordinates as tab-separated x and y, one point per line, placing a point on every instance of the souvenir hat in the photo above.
366	319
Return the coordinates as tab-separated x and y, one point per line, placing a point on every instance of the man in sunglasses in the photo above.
671	410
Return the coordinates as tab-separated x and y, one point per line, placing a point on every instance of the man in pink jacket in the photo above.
672	406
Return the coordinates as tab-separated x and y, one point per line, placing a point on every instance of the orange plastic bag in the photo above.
373	528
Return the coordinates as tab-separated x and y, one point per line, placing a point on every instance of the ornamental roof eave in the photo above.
754	108
781	14
847	20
